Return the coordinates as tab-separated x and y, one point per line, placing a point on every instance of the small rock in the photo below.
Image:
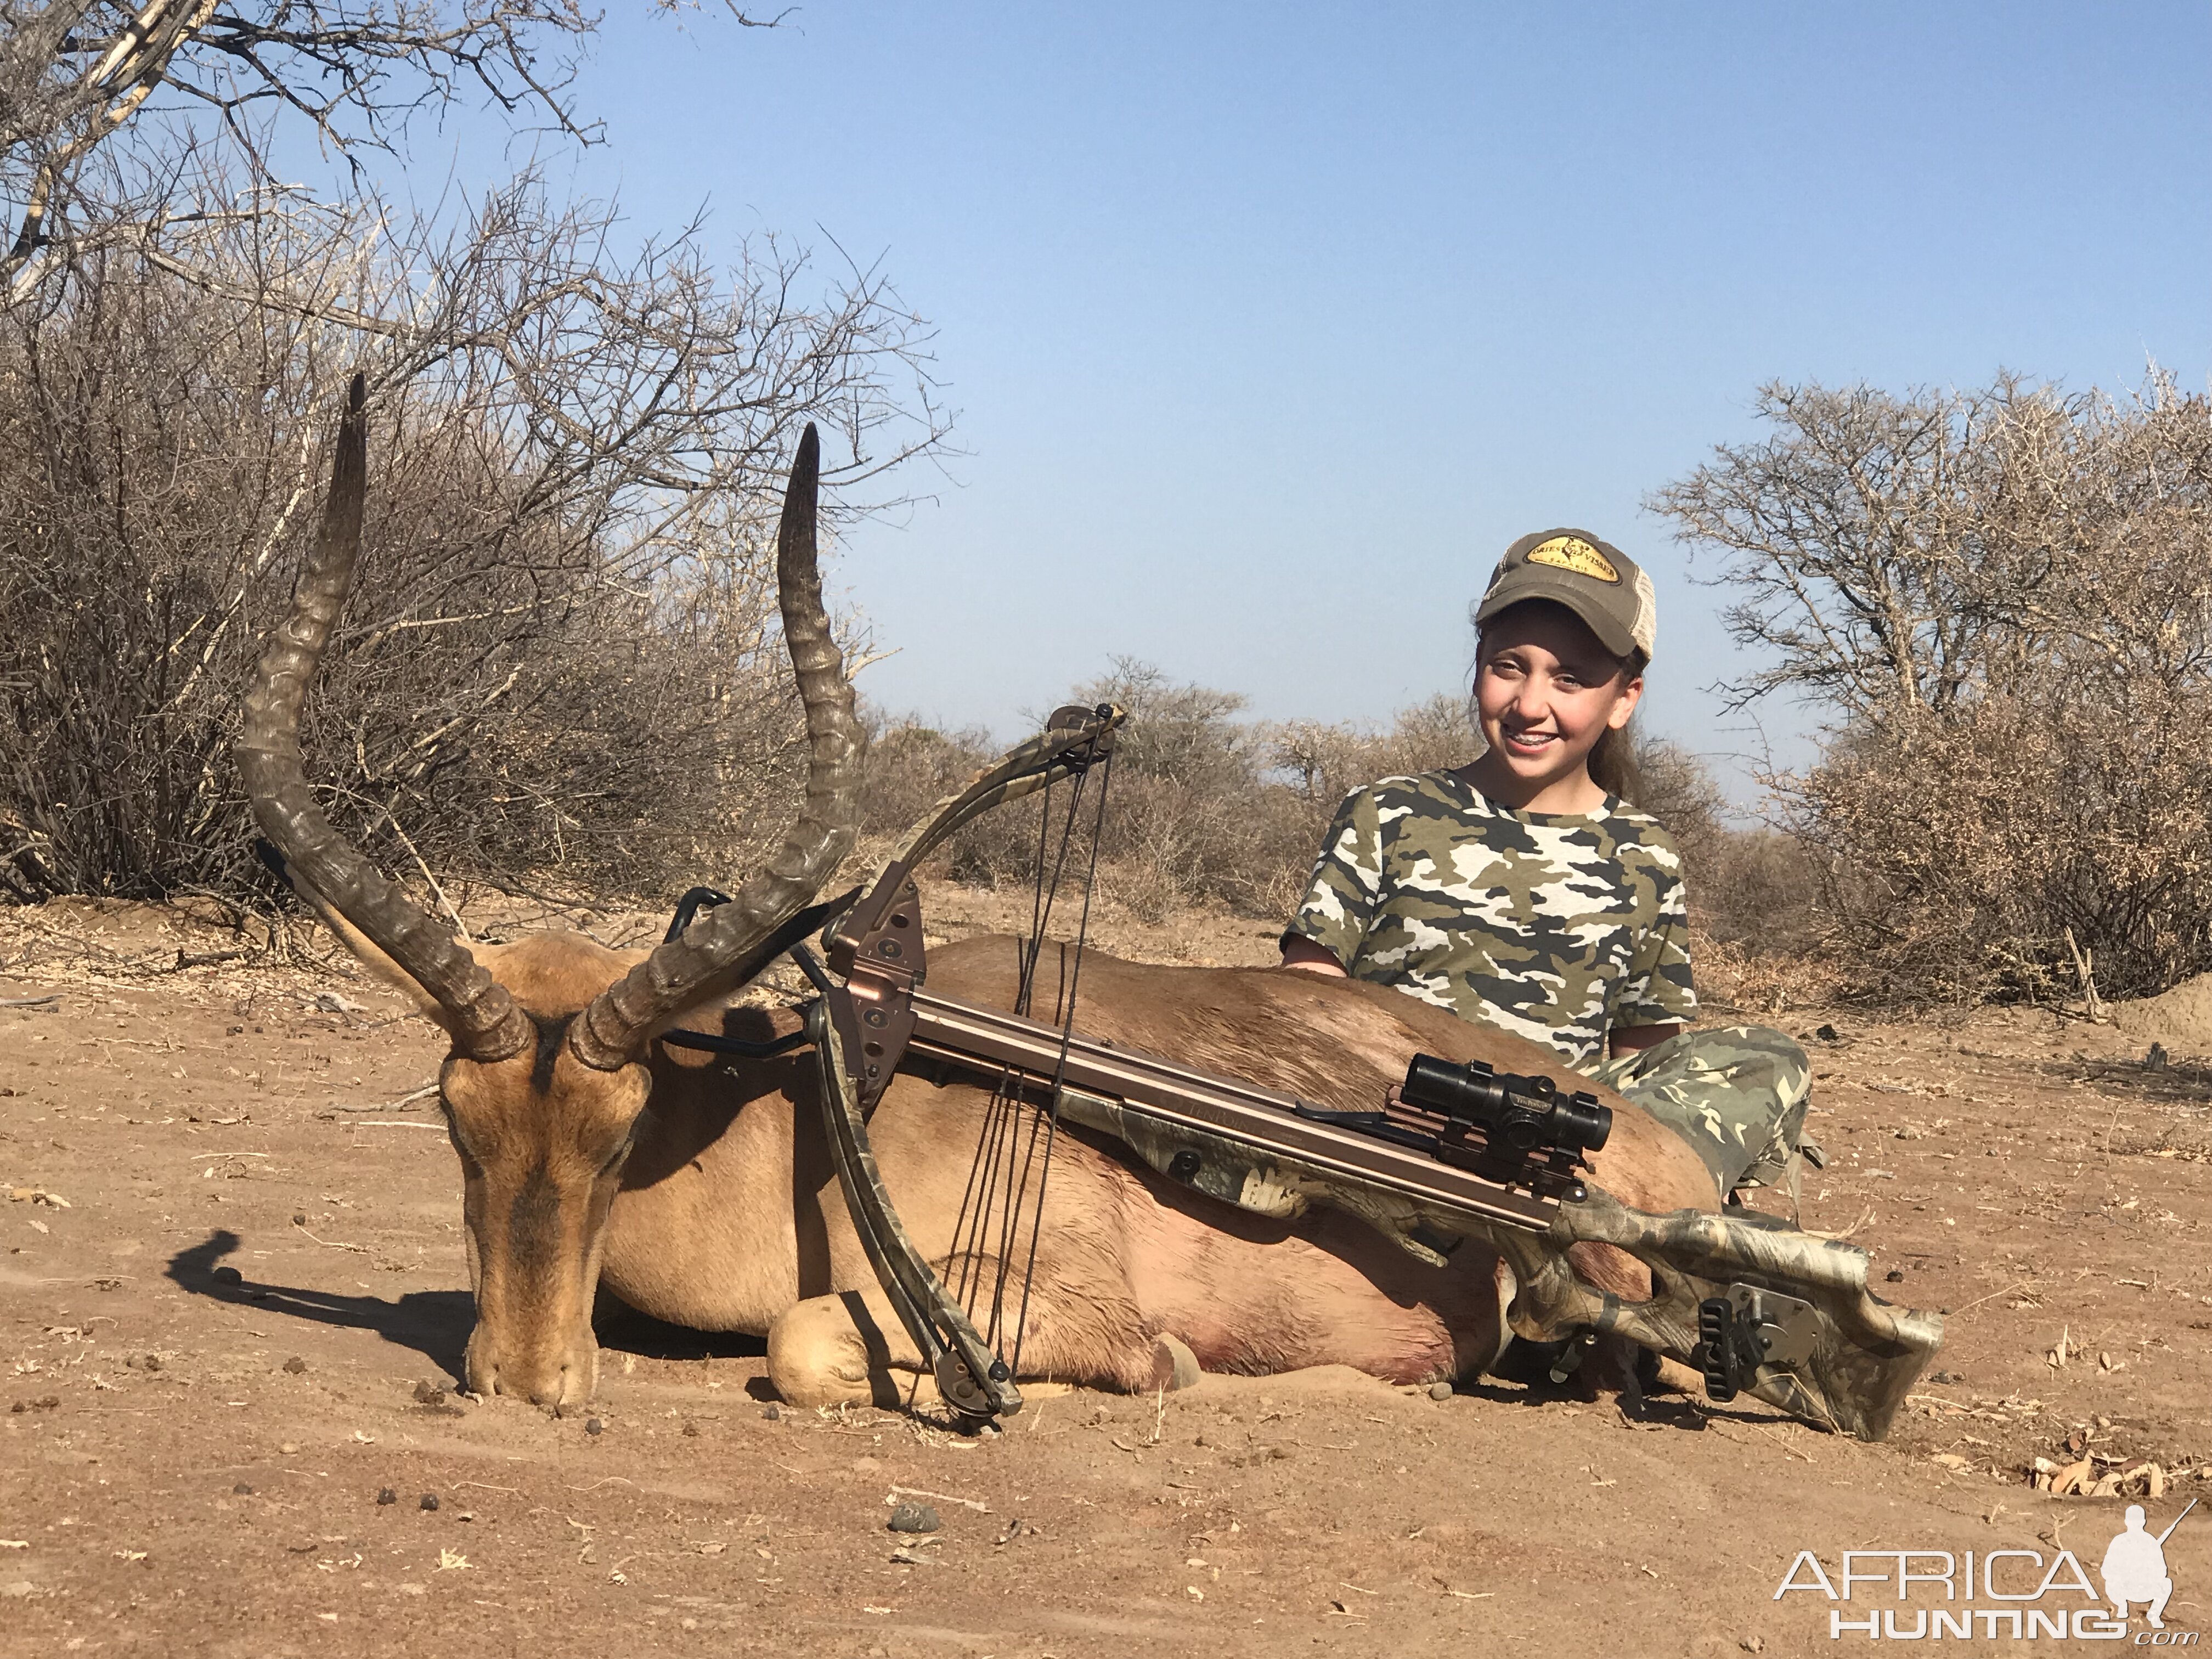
691	1430
430	1500
427	1395
1827	1033
295	1364
385	1495
1946	1376
908	1556
20	1587
1752	1644
241	1490
153	1362
299	1218
288	1449
1894	1276
20	1405
914	1517
228	1276
771	1412
46	1402
1440	1390
594	1427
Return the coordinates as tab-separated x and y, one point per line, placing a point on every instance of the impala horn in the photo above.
721	949
484	1021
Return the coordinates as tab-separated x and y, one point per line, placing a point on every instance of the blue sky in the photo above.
1269	326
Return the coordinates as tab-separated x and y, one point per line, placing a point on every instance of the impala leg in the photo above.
849	1348
842	1349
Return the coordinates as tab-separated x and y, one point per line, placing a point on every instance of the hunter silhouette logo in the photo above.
2134	1568
2023	1595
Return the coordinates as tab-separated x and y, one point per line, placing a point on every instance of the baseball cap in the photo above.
1593	579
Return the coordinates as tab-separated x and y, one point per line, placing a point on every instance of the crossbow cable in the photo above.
861	1027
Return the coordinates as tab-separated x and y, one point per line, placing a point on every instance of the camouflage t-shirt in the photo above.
1554	927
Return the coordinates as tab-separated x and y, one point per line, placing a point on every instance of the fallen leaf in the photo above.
1951	1460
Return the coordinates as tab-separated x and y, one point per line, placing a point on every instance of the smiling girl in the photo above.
1522	891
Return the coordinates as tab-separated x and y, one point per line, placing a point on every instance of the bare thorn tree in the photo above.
75	74
2002	599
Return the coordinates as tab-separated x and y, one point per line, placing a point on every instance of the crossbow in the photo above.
1456	1153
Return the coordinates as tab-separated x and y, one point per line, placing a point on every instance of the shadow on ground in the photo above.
624	1328
434	1323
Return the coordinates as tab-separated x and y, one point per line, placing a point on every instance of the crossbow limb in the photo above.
860	1026
1759	1308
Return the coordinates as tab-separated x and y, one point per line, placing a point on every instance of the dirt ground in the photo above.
233	1302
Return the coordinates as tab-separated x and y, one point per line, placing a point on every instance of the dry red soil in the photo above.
233	1302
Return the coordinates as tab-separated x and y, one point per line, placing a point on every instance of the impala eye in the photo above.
453	1132
620	1153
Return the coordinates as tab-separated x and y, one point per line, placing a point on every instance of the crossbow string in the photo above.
859	1031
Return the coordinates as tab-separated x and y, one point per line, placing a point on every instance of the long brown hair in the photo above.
1613	762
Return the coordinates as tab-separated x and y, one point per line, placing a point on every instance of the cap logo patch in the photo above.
1573	553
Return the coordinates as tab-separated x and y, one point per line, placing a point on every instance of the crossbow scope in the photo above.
1518	1116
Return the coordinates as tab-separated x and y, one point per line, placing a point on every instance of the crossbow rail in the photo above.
1780	1314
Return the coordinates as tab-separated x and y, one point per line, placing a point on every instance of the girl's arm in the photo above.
1301	952
1632	1039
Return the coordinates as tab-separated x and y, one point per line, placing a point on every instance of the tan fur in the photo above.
725	1214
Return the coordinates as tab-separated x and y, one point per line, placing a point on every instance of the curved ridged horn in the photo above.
485	1022
716	951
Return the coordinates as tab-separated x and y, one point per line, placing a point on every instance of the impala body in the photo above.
702	1191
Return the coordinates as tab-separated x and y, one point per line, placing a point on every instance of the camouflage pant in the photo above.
1737	1095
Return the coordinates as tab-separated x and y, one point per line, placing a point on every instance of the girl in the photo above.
1522	892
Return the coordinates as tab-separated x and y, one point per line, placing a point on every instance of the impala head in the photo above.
546	1078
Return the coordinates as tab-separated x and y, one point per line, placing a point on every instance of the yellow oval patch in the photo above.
1573	553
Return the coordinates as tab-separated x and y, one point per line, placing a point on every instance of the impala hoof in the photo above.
1174	1365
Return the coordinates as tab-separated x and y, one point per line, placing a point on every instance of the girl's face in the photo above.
1545	690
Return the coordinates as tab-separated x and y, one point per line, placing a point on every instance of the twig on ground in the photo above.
422	1093
208	960
1979	1300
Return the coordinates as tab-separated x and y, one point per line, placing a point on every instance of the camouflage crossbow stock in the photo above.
1755	1305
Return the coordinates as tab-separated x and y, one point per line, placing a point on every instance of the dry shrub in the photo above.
560	662
2004	600
1966	848
1202	804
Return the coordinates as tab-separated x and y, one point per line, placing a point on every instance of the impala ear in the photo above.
363	948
